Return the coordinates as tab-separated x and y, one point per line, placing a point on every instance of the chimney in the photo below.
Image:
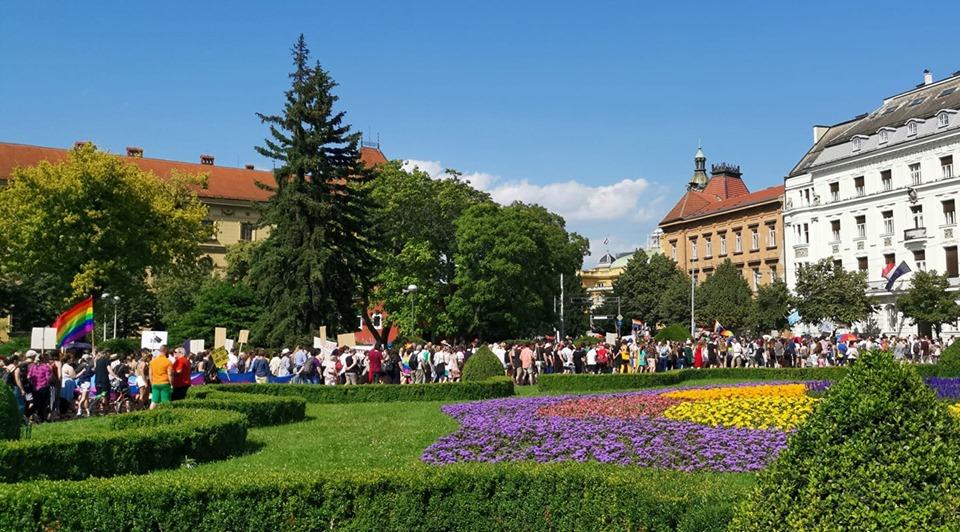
134	151
206	159
927	77
248	166
819	132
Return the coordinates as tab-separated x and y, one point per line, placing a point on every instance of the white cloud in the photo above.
624	211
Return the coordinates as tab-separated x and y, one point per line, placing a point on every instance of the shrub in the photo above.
879	453
673	333
585	382
130	443
261	410
950	358
379	393
10	418
587	340
16	344
516	497
482	365
120	346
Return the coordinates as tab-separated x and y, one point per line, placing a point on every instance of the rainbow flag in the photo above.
75	323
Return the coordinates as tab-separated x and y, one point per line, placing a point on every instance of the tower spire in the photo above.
699	179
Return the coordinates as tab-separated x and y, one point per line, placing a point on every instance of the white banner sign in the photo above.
152	340
196	346
228	344
43	338
611	338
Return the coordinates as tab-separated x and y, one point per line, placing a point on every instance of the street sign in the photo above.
619	317
601	317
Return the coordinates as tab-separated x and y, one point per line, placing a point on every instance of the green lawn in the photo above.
357	436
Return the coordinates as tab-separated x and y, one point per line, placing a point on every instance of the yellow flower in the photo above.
757	412
732	392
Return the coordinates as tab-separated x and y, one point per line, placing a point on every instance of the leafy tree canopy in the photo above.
509	261
218	304
91	224
928	301
772	305
643	282
825	291
725	296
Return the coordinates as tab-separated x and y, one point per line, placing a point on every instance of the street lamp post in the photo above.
105	297
116	301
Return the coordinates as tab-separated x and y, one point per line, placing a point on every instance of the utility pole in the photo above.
693	284
561	308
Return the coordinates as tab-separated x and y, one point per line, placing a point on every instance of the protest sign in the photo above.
196	346
43	338
219	336
152	340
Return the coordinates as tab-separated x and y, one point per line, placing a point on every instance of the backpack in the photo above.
413	361
308	368
389	365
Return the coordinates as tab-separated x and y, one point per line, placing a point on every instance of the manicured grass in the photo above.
343	436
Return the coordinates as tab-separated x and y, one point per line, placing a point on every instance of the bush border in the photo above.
379	393
261	410
133	444
624	381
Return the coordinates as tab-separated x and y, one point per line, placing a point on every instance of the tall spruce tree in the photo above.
311	268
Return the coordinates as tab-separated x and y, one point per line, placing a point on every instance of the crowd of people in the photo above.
643	354
50	385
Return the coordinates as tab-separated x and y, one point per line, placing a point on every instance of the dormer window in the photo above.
883	135
943	117
912	128
858	142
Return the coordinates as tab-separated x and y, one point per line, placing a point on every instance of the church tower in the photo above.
699	179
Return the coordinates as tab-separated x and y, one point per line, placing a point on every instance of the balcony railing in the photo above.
917	233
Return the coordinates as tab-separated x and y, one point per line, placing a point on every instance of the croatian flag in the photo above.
892	276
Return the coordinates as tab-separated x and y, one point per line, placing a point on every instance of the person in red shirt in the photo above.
375	365
181	375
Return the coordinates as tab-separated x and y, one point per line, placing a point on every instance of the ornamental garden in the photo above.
873	446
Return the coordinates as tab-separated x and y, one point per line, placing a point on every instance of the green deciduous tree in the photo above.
772	305
725	296
414	228
310	271
825	291
177	288
509	261
94	223
673	305
643	282
218	304
927	300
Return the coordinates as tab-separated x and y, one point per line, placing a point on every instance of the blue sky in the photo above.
591	108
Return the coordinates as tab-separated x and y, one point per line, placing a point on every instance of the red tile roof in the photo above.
685	209
725	187
223	182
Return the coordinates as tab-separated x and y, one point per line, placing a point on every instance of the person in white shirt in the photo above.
566	357
592	360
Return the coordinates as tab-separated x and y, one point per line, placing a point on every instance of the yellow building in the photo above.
231	194
598	281
718	218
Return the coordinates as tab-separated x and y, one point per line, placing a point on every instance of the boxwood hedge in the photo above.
261	410
519	497
624	381
482	365
10	417
379	393
130	443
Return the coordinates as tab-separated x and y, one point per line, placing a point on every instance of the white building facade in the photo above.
882	189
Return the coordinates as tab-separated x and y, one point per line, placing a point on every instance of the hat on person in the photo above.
30	354
285	351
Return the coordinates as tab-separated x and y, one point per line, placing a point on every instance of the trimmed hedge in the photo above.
261	410
10	417
131	443
379	393
878	453
950	357
482	365
519	497
587	382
